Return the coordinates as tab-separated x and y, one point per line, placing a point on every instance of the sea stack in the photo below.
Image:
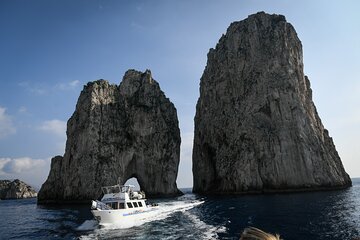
16	189
256	126
115	133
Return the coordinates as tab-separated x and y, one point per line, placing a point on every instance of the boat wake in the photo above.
188	224
88	225
204	230
165	209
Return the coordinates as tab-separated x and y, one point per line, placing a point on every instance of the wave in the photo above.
207	231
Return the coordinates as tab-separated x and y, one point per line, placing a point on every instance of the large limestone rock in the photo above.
16	190
256	126
117	132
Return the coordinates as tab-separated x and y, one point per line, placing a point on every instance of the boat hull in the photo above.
123	217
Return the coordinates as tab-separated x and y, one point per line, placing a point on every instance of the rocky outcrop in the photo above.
115	133
256	126
15	190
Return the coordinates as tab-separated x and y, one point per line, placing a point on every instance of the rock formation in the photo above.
16	189
256	126
117	132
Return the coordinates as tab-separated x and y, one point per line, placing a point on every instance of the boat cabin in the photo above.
122	197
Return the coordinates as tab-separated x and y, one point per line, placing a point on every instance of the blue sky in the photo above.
49	49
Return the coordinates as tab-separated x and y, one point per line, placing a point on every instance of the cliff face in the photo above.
117	132
16	189
256	126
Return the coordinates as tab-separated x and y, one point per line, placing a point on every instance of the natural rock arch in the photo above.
148	183
117	132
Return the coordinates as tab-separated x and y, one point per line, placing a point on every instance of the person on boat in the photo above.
252	233
131	194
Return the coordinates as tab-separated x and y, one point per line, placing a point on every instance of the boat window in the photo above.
114	205
140	204
109	204
121	205
129	205
135	204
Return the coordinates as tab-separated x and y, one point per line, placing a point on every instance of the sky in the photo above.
49	49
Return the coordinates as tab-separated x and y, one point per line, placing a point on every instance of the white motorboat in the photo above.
121	204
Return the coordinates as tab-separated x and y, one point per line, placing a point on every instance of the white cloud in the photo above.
74	83
64	86
19	165
37	89
55	126
32	171
44	89
22	109
3	162
6	124
60	146
23	84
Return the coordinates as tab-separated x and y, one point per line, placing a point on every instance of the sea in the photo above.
311	215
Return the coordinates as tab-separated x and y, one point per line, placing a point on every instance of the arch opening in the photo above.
133	181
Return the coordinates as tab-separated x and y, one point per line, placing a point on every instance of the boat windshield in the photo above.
117	189
111	189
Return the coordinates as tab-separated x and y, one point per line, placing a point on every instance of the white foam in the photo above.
89	237
209	231
88	225
165	210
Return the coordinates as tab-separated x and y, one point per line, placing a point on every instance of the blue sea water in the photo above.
313	215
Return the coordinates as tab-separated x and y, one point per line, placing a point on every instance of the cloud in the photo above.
6	124
74	83
37	89
67	85
19	165
44	89
55	126
32	171
3	162
22	109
